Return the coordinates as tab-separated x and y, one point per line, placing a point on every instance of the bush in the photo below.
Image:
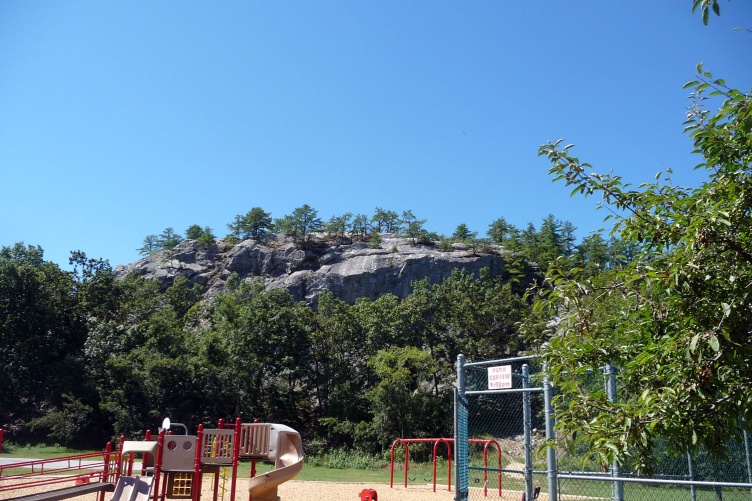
341	459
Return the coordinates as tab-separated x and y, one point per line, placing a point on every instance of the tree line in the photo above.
554	238
87	356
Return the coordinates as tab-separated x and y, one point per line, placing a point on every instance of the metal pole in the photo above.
691	467
747	455
617	488
460	434
550	436
528	426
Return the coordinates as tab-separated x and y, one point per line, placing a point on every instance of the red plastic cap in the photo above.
368	495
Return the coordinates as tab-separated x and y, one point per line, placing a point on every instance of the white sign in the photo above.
499	377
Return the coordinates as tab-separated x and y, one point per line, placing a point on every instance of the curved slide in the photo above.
286	448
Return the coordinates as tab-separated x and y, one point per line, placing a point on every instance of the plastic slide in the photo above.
133	489
286	448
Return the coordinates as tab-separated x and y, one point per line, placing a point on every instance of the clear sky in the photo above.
120	119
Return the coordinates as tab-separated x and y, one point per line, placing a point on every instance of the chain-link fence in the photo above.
503	408
501	404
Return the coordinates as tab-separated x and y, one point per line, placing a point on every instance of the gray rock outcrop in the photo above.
348	271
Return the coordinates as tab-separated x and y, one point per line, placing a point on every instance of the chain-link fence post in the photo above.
461	480
617	487
527	421
550	436
748	457
691	471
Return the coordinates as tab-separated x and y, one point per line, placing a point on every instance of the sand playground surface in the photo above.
304	490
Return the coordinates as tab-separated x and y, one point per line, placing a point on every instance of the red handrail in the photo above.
79	466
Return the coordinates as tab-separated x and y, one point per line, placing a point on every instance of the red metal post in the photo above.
485	469
435	446
391	464
407	453
235	457
158	464
449	464
487	443
145	455
119	467
105	468
436	443
498	455
196	484
253	461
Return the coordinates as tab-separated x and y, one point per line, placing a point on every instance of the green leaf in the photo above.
693	343
726	310
713	341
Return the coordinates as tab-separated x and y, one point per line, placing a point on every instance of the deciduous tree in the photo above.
676	321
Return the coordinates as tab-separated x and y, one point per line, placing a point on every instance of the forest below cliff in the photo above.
88	356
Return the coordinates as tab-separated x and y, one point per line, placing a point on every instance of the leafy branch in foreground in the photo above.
676	319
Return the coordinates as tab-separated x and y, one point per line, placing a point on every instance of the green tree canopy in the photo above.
463	233
360	227
205	238
386	221
499	230
193	232
300	223
337	226
677	320
150	245
42	332
256	222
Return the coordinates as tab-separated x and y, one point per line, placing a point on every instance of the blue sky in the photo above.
120	119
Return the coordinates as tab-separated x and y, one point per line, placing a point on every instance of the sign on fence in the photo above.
499	377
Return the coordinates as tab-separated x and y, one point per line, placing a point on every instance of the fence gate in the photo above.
506	402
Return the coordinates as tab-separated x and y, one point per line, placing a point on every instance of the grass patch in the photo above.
418	473
11	450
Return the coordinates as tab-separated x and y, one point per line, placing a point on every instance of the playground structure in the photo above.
172	466
405	442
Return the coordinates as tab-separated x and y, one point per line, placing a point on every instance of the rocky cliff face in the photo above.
348	271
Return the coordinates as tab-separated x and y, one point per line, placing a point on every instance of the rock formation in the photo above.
349	271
